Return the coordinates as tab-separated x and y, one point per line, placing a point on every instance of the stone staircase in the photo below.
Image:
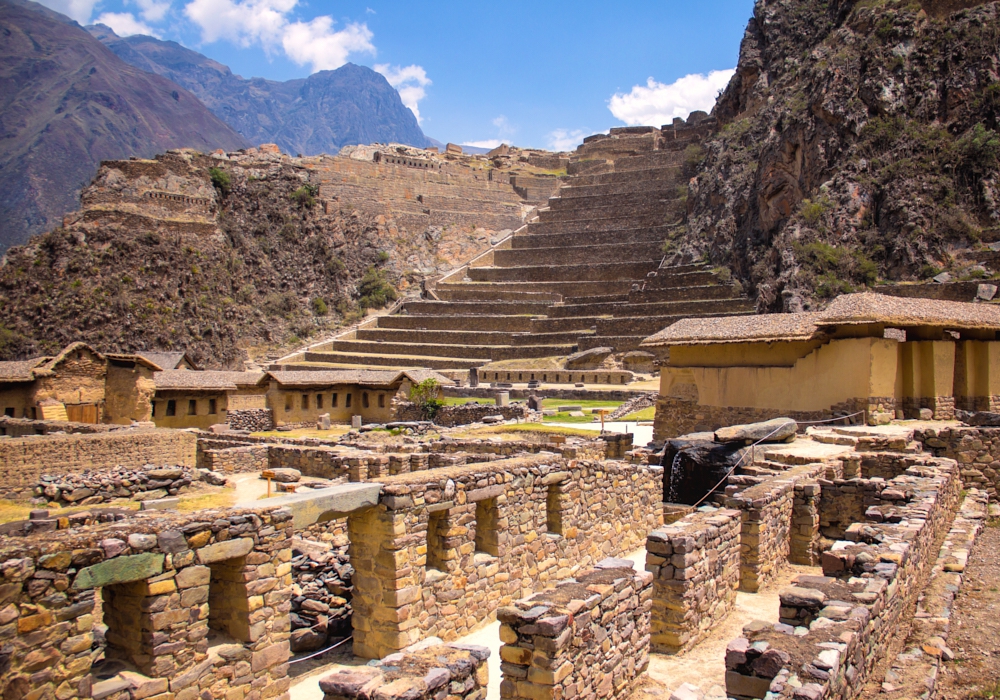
587	272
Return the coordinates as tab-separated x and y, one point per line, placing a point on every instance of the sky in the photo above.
536	74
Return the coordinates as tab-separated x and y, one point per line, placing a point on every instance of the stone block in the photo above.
221	551
120	570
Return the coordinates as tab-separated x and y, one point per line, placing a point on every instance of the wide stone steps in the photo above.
655	200
558	240
581	324
382	360
607	218
468	308
509	324
666	182
456	293
663	308
480	352
598	271
560	288
621	343
577	255
449	337
640	178
648	325
672	280
595	227
649	161
699	292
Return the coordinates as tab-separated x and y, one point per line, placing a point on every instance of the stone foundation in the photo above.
254	420
450	416
695	563
977	450
583	639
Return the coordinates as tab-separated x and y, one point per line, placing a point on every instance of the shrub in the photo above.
383	256
425	396
319	306
374	290
305	196
813	211
220	180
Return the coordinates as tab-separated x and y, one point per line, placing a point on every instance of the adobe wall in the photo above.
128	394
25	459
443	550
164	581
561	376
20	427
588	638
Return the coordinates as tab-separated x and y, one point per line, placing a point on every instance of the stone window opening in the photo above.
192	407
319	401
347	400
364	399
554	510
437	530
152	409
487	528
9	411
171	407
333	400
212	407
228	603
288	403
305	402
381	400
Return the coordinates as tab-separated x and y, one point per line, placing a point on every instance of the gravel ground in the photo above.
975	627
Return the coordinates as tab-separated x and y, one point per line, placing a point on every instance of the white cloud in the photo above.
655	104
243	23
316	43
410	81
565	140
125	24
488	143
152	10
80	10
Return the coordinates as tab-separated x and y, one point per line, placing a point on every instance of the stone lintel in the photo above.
322	505
127	569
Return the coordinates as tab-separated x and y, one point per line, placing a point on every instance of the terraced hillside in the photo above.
587	272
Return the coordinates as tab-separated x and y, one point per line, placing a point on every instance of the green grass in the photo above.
645	414
527	429
586	405
461	401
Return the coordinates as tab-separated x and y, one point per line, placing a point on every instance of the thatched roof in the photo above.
379	378
847	310
205	380
168	360
21	370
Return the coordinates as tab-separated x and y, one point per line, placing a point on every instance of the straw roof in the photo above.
849	309
167	360
21	370
205	380
137	359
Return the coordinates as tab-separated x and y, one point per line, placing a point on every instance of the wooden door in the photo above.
82	412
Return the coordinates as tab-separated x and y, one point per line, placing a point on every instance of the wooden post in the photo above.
268	474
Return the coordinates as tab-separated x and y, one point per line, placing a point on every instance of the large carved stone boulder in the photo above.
776	430
588	359
638	361
694	467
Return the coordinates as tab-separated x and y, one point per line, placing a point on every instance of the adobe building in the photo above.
880	356
302	396
199	399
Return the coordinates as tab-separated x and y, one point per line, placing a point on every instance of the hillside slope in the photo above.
858	143
319	114
67	103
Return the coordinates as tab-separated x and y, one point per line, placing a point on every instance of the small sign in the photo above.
267	474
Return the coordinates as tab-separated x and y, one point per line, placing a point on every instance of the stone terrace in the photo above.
587	272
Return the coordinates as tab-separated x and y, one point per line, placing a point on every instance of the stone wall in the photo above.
93	487
582	639
252	419
450	416
834	629
455	672
977	450
26	459
235	460
20	427
560	376
765	537
695	563
444	549
165	581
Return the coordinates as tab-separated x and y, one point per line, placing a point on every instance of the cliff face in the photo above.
234	255
319	114
858	142
66	103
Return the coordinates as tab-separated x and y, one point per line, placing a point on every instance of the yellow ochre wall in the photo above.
202	419
838	371
277	396
977	368
927	368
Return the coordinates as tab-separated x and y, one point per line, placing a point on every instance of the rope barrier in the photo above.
323	651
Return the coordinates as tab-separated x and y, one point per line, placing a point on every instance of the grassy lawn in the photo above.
461	401
586	404
15	510
645	414
221	498
523	431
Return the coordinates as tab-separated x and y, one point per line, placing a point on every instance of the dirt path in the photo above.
975	626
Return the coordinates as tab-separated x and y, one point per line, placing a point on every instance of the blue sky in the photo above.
535	74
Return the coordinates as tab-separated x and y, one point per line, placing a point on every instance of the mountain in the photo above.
66	104
857	144
319	114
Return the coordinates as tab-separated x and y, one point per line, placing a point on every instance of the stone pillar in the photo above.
805	525
696	568
587	638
